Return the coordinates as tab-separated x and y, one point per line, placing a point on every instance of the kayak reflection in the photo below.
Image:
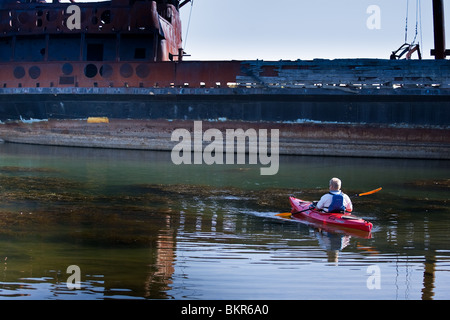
332	239
331	229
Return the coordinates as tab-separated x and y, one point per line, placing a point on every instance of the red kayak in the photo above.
301	211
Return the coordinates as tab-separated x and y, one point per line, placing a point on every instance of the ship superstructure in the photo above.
85	44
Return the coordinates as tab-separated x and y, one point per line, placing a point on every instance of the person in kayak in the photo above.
335	200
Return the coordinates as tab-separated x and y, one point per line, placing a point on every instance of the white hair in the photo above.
335	183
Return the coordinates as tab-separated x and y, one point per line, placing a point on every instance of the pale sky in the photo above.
301	29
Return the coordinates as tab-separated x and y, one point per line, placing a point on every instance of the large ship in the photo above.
122	60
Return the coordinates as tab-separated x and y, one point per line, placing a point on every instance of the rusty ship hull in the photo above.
415	107
125	62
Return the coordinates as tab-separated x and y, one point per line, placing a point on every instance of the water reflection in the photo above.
332	243
165	261
141	228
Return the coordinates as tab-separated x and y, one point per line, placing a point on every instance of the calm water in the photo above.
139	227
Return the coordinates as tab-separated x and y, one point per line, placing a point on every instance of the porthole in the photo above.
142	71
23	17
106	71
90	70
126	70
105	17
67	68
51	16
34	72
19	72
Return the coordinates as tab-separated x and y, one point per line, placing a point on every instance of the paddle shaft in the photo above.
288	214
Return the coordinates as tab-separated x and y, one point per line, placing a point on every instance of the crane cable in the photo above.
406	23
418	22
189	23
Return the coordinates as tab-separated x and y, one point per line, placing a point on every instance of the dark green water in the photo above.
140	227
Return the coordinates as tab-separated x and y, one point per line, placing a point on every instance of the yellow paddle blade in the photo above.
370	192
284	214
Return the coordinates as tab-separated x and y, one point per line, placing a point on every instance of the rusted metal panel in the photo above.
126	43
346	72
210	74
118	74
140	17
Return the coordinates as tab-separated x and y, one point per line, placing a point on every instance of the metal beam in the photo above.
184	2
439	30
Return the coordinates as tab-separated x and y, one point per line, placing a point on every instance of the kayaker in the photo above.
335	200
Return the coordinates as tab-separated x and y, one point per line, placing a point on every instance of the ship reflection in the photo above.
164	264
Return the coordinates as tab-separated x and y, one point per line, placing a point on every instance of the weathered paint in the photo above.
125	62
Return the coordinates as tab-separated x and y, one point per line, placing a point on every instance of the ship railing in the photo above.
344	86
98	17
